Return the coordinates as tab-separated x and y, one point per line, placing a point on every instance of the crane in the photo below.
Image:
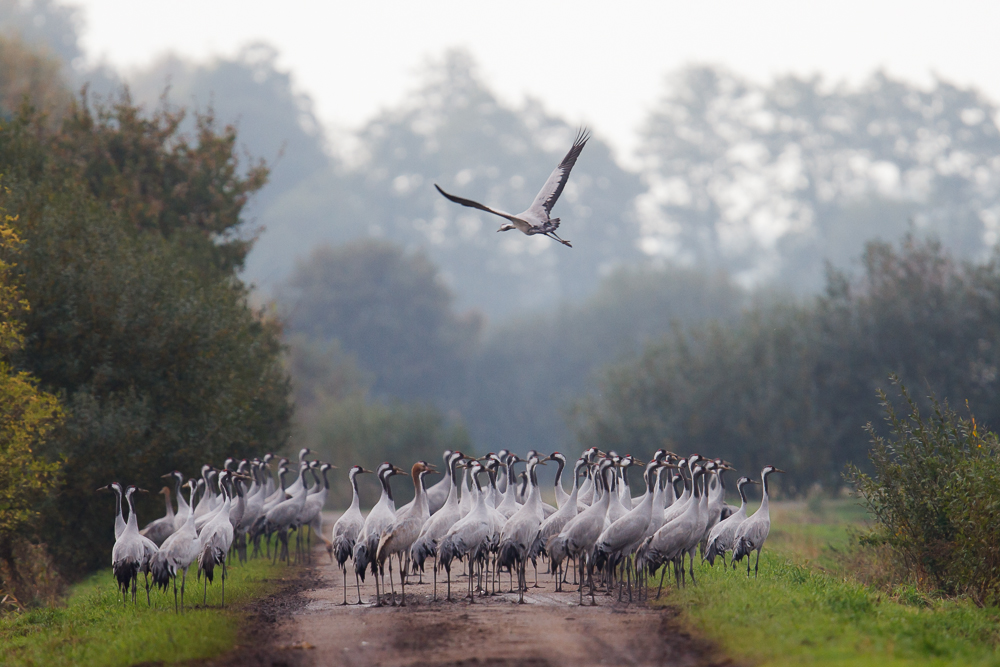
440	522
177	553
720	540
160	529
469	535
521	530
438	494
379	519
215	539
405	528
555	523
536	219
561	496
131	552
578	537
617	542
751	533
346	530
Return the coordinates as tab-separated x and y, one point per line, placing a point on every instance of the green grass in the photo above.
94	628
801	610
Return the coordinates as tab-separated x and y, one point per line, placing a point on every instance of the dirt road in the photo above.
310	627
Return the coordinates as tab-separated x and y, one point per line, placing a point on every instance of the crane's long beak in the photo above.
778	470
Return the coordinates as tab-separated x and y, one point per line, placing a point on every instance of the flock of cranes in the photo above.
482	513
225	509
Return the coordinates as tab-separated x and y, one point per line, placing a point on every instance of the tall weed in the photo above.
934	493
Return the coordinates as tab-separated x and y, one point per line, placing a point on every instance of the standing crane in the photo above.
177	553
521	530
722	537
561	496
751	533
440	522
131	552
346	530
405	528
580	534
469	536
215	539
379	520
551	527
160	529
438	494
621	538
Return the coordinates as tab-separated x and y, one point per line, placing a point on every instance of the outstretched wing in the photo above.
473	204
553	187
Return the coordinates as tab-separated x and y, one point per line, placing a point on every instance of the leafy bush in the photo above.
139	323
934	493
793	383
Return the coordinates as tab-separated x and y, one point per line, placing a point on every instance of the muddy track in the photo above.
305	624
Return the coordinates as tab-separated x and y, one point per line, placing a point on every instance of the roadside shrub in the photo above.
934	493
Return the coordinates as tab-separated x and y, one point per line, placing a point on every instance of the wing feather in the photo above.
553	187
473	204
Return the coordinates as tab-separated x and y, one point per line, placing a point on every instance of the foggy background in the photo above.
739	153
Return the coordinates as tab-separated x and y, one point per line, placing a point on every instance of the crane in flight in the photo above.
536	220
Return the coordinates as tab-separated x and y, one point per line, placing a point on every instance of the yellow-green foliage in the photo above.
94	628
27	414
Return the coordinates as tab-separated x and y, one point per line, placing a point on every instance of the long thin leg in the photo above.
756	563
175	593
223	583
183	581
344	570
663	572
357	582
402	584
392	586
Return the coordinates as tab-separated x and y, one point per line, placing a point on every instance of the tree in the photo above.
521	393
792	384
140	325
27	414
390	310
766	181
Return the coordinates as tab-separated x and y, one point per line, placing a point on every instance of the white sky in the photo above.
596	62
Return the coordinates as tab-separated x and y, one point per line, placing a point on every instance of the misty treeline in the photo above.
744	191
131	315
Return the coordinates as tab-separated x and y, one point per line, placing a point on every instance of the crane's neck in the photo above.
131	525
170	505
743	495
355	498
118	503
181	503
763	500
559	471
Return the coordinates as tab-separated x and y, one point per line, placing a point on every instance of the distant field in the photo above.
94	628
804	609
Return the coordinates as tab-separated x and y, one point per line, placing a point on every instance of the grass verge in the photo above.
802	611
94	628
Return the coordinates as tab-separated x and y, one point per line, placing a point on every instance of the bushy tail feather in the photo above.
556	549
361	559
507	556
160	570
711	552
124	572
209	557
342	548
448	551
740	549
421	550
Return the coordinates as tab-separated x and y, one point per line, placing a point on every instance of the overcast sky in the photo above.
600	63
